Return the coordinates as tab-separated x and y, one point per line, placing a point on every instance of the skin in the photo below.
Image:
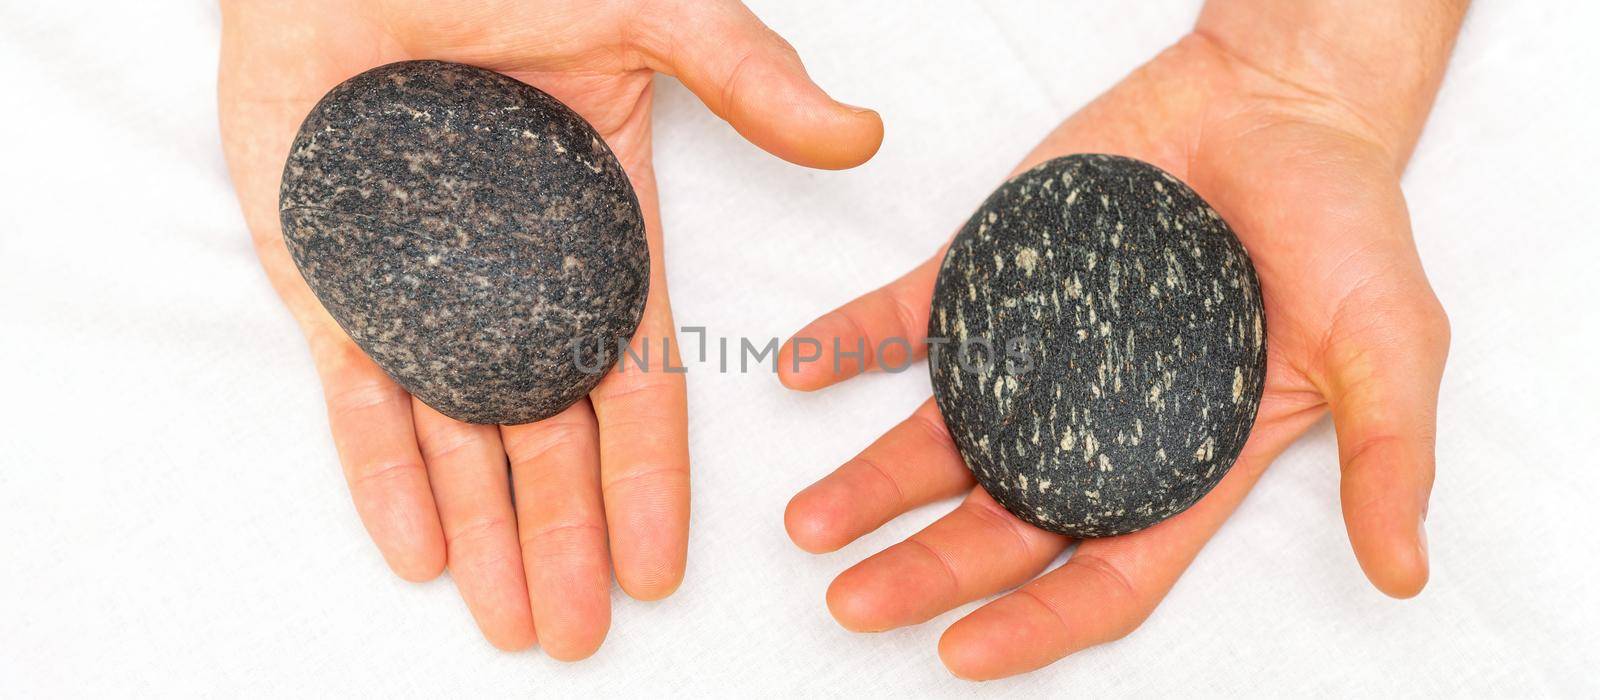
1294	119
602	488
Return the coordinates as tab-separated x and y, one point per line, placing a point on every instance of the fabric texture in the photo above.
174	520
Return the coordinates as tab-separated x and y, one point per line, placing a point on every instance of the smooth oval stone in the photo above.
472	234
1129	349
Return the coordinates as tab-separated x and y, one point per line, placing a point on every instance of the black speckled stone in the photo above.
468	231
1142	348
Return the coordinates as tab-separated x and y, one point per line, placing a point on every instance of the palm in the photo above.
603	486
1318	208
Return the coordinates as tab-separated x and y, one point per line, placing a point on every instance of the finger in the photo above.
977	550
1109	586
644	465
886	328
913	464
644	468
748	75
467	467
370	417
643	416
1384	392
555	469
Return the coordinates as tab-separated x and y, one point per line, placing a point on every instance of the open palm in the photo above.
603	486
1312	189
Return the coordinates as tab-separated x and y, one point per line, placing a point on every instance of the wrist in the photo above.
1378	62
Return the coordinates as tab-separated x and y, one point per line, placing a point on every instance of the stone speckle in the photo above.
1142	345
467	230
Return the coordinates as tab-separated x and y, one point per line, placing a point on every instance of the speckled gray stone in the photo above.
472	234
1140	352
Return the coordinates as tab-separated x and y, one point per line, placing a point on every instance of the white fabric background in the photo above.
172	518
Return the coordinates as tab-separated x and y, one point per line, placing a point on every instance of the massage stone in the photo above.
1103	345
474	236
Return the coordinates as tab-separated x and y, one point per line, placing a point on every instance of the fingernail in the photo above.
1422	536
857	110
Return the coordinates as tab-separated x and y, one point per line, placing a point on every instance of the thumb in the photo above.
1384	364
749	76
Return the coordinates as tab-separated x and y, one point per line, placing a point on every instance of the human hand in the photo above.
603	486
1309	179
